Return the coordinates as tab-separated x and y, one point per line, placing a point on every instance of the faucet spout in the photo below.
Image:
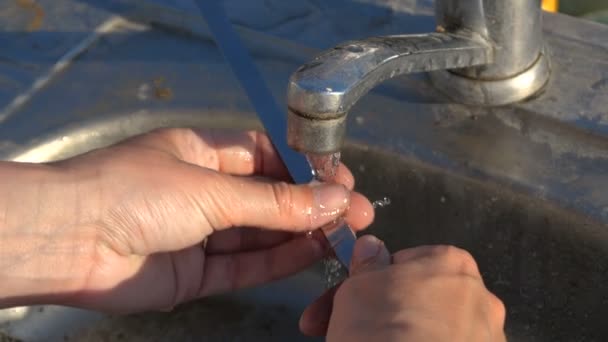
486	52
322	92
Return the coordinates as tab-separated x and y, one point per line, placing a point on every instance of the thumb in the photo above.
369	254
238	201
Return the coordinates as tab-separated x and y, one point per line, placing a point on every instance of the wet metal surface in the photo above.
524	187
481	53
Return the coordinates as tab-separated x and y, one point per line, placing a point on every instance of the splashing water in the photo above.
334	272
324	169
382	203
324	166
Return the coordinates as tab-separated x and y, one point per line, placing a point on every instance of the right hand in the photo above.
428	293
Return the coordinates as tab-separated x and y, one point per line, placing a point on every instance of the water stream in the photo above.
325	167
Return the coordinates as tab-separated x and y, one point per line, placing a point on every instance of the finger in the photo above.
244	239
236	271
498	312
441	258
360	214
241	153
406	255
344	177
233	152
315	318
369	254
228	201
252	152
491	311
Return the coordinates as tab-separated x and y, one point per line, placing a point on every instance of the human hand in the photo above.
429	293
165	218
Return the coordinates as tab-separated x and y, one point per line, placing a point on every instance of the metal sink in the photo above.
524	188
550	265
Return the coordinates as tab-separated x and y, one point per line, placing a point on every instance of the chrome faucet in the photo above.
485	52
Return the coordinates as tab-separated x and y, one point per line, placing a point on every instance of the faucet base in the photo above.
494	92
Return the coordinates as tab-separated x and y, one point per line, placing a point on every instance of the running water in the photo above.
324	169
324	166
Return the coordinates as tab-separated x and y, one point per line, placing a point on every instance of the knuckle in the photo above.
457	259
188	136
498	310
183	141
284	198
166	134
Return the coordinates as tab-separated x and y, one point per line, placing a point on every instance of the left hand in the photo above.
165	218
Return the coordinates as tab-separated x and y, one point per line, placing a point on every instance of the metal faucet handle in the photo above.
487	52
321	93
335	80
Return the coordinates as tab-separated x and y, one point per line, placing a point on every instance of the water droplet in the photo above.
307	211
324	168
381	203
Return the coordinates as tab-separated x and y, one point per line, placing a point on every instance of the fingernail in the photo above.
369	251
329	202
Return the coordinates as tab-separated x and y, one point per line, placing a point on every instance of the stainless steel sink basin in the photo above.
524	187
549	265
